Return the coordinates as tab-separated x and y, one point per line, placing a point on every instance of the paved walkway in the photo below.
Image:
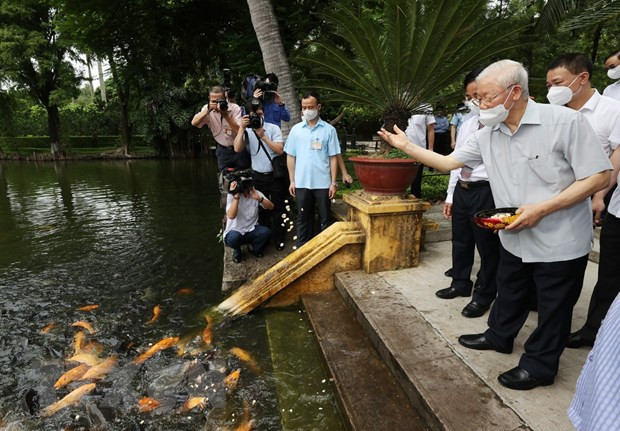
542	409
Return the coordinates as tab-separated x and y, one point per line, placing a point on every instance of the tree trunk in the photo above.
90	76
101	82
274	57
597	38
122	90
53	125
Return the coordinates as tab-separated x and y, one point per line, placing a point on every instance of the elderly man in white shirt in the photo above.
568	80
469	192
546	161
612	64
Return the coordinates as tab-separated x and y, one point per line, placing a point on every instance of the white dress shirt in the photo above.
417	127
603	113
613	91
247	214
478	172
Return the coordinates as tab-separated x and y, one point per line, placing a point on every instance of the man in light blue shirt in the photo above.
312	148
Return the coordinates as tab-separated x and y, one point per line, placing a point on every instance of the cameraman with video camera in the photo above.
242	225
223	119
274	108
264	143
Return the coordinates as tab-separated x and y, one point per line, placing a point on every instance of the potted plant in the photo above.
400	59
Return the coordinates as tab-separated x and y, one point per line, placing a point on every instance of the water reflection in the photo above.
129	237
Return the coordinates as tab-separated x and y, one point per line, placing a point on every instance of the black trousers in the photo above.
558	285
442	143
466	236
416	185
227	158
608	284
275	189
306	200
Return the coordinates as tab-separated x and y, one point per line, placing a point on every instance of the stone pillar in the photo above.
393	227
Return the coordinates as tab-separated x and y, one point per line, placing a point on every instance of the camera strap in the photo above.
247	144
260	143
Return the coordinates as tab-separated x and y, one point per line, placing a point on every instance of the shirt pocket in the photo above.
543	169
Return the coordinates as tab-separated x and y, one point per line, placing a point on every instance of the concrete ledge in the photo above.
370	396
448	394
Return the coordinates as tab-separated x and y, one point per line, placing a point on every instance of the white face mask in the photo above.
614	72
311	114
562	94
496	114
472	107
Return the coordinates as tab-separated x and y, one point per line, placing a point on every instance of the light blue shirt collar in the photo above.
319	123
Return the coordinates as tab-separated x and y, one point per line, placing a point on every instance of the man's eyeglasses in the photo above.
489	100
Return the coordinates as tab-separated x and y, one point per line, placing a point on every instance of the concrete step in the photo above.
447	392
370	396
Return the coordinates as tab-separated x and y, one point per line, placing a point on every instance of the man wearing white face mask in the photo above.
568	81
312	150
546	161
603	113
612	64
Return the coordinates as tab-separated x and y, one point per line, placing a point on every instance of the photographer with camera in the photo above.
242	225
222	118
264	143
274	108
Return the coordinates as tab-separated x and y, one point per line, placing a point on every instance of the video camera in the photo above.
244	180
268	85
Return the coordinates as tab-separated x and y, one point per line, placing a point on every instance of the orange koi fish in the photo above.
185	291
85	325
73	374
100	370
89	307
207	334
47	328
232	379
246	357
79	340
194	402
86	358
73	397
164	344
147	404
94	347
246	424
156	311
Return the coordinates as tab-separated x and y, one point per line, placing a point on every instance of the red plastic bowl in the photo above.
487	220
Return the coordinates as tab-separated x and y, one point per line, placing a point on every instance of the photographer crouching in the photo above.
265	144
242	225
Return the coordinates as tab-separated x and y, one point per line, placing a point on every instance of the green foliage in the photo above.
395	153
434	186
407	55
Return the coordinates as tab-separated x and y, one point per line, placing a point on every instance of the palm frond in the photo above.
553	13
599	12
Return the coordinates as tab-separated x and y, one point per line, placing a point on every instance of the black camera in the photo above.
256	121
242	177
223	104
268	88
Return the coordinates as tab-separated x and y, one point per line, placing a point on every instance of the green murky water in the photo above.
130	236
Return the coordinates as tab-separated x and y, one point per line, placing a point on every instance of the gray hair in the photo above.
506	73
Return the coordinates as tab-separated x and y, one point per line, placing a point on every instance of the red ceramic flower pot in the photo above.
385	176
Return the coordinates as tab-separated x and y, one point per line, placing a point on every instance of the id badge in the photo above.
228	132
316	145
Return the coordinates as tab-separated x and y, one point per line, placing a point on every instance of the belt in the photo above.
264	173
472	184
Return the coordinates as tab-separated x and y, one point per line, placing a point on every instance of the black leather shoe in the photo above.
237	256
479	342
577	340
448	273
258	254
474	309
450	293
521	380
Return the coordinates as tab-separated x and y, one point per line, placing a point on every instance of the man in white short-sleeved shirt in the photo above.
418	128
612	64
568	80
546	161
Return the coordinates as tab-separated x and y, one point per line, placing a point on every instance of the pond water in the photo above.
124	238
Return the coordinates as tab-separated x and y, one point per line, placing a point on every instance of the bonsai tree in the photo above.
401	59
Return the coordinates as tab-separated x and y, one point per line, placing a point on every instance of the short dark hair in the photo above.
309	94
574	62
217	89
471	77
616	53
273	78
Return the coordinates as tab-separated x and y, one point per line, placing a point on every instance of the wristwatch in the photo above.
262	198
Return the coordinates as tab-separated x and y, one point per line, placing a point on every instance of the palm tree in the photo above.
408	55
274	58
